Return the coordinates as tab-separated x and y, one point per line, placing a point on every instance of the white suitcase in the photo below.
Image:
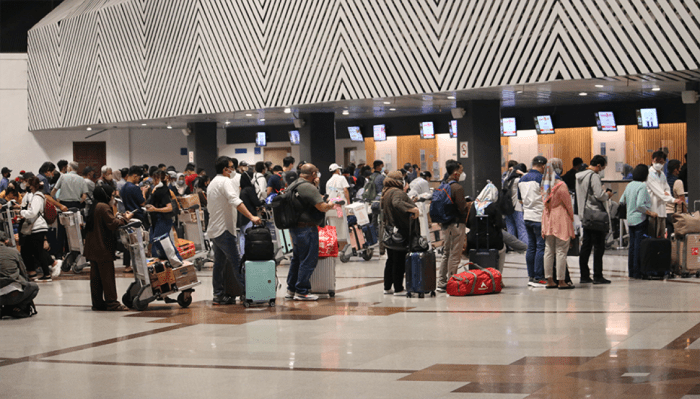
323	278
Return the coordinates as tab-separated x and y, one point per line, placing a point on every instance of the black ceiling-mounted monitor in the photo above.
261	139
647	118
544	125
355	133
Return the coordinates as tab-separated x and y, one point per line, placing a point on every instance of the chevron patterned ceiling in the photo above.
111	61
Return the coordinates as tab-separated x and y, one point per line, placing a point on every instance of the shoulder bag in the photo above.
594	219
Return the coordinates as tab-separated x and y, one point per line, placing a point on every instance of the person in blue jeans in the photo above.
638	201
224	205
530	195
305	235
515	224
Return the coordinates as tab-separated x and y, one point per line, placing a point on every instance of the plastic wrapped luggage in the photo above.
485	257
323	278
420	273
686	254
260	282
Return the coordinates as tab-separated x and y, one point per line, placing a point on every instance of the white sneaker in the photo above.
289	295
307	297
388	292
56	270
400	293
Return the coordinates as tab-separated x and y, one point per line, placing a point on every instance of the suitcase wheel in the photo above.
408	295
432	293
127	301
331	294
184	299
343	257
246	304
421	295
272	303
367	254
697	274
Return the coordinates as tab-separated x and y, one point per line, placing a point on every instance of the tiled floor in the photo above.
630	339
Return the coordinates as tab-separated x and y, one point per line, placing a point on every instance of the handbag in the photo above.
393	239
594	219
327	242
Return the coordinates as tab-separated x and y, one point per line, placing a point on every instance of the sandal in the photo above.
120	308
128	269
551	286
567	287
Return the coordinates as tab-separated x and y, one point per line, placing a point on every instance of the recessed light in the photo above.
248	114
170	127
387	102
89	129
346	112
392	109
599	86
582	94
656	89
227	122
450	97
144	124
287	110
262	120
519	92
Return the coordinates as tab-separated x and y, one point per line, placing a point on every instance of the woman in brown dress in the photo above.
100	244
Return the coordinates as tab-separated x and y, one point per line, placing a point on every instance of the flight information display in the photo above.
508	127
544	125
379	132
427	130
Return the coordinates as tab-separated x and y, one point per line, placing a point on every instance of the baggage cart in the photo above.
358	245
191	218
6	218
72	221
140	293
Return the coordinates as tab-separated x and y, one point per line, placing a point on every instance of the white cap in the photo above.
334	167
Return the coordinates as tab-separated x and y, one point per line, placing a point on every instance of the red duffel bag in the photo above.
475	282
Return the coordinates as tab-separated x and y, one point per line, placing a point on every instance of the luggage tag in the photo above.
339	211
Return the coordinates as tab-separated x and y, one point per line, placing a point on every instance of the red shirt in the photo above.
189	180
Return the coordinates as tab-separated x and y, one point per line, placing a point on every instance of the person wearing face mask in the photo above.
100	244
677	190
660	193
106	177
592	195
515	224
455	230
180	186
531	199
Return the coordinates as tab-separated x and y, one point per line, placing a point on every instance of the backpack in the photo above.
258	244
442	209
286	207
50	213
370	192
505	199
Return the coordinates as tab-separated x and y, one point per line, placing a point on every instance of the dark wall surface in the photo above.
17	17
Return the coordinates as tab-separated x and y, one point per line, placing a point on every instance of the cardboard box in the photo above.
191	217
188	201
185	275
162	278
360	211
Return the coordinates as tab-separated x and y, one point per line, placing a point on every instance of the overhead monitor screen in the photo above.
261	139
543	124
647	118
355	133
453	129
379	132
294	136
427	130
508	127
605	121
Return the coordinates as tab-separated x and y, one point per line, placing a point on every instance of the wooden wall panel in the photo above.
369	150
408	150
566	144
505	142
642	142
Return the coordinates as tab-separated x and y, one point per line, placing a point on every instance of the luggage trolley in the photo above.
357	245
191	218
72	222
140	293
281	238
6	217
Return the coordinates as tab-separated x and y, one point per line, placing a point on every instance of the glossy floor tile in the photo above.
629	339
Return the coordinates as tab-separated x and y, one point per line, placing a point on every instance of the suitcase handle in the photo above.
478	233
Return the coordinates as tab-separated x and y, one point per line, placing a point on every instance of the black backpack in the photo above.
258	244
505	198
286	207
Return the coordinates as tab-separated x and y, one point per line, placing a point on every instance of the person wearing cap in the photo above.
337	186
5	178
275	183
530	196
16	291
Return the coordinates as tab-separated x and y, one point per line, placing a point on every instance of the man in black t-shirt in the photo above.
275	184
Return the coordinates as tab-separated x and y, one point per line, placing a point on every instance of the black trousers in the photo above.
394	270
20	299
34	254
592	240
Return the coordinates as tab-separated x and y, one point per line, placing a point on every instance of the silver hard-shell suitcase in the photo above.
323	278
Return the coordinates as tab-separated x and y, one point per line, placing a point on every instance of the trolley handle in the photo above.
132	224
193	207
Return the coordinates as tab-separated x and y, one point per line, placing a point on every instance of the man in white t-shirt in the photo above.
337	185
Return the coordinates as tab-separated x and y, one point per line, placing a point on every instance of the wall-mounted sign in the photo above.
464	149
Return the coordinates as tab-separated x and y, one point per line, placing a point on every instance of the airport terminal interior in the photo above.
412	85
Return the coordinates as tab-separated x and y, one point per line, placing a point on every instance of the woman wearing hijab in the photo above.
181	186
557	223
100	244
515	223
395	205
160	207
490	232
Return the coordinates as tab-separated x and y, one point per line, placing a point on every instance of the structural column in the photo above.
317	142
202	142
692	117
479	133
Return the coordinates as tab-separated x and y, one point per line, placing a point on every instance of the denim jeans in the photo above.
241	238
633	261
225	248
535	250
304	259
515	224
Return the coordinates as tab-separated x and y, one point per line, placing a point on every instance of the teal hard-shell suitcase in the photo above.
260	282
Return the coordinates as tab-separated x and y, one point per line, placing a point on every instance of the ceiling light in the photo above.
387	102
170	127
262	120
287	110
582	94
599	86
392	109
89	128
346	112
248	114
656	89
228	123
450	97
519	92
144	124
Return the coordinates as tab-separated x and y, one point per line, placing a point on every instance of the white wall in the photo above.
155	146
447	149
250	156
615	150
342	144
523	147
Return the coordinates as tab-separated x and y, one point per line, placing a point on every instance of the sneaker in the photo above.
56	270
224	300
530	282
441	289
289	295
44	279
539	283
586	280
601	280
388	292
400	293
307	297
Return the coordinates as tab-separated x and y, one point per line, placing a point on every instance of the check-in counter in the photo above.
617	186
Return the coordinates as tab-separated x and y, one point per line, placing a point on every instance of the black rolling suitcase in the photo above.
421	271
483	257
655	256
